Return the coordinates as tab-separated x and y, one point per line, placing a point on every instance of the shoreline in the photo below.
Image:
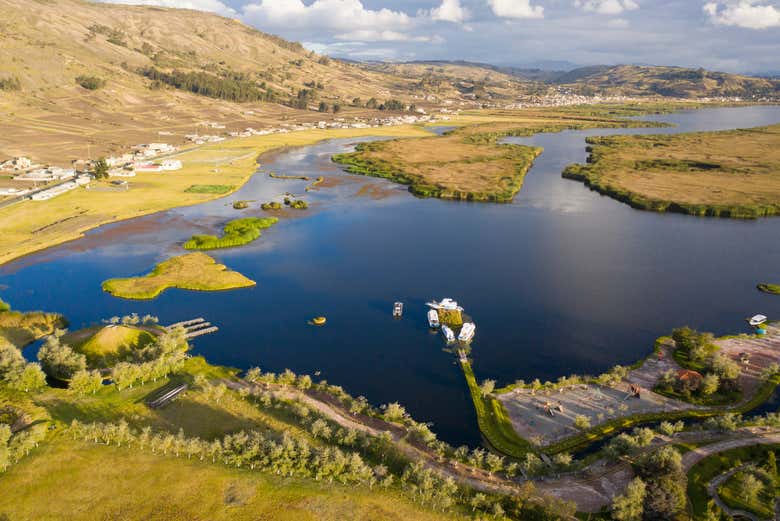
305	138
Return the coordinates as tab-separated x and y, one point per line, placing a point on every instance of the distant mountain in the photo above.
634	80
629	80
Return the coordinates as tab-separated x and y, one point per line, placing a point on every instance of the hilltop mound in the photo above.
105	344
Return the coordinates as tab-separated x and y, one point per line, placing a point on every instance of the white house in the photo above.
171	164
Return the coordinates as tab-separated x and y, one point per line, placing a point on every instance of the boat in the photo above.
319	321
433	319
449	335
757	320
467	332
445	303
398	309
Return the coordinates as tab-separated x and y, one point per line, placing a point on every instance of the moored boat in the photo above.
433	319
398	309
445	303
467	332
449	335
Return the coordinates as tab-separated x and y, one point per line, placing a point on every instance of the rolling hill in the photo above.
75	72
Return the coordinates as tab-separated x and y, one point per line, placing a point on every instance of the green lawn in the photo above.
209	189
235	233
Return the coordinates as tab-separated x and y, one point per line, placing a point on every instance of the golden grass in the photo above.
20	329
194	271
67	479
730	173
30	226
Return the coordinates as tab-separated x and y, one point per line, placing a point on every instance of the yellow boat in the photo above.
319	321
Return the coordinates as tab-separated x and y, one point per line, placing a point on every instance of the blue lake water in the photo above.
561	281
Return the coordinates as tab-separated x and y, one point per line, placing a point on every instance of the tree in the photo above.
724	367
581	422
323	107
86	382
487	387
630	506
100	169
710	384
394	412
31	378
59	360
5	453
336	108
749	486
771	465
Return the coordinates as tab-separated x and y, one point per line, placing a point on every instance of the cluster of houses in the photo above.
67	179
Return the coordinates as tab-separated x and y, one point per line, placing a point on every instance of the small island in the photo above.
773	289
695	173
194	271
235	233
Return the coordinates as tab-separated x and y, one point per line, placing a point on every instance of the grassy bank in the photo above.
31	226
493	420
774	289
697	173
194	271
237	232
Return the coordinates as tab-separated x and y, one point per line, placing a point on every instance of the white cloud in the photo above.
373	35
516	9
448	11
214	6
607	6
750	14
344	16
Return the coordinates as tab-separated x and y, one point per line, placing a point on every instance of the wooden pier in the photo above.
167	397
195	327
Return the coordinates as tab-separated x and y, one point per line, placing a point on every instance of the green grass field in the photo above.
210	189
69	479
194	271
762	506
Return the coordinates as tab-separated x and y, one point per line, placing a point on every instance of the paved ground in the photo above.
529	411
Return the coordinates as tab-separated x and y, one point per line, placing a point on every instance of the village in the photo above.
21	178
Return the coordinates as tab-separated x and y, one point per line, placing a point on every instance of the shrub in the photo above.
9	84
90	82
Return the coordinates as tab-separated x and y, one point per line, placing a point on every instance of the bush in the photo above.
90	82
9	84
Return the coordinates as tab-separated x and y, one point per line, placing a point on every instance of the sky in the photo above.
728	35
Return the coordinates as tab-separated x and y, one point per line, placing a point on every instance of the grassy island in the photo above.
448	167
774	289
103	346
720	174
194	271
235	233
19	329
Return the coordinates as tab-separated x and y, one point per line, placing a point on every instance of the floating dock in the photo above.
195	327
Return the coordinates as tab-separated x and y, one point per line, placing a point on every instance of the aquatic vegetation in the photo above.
209	189
315	183
240	205
194	271
235	233
273	205
282	176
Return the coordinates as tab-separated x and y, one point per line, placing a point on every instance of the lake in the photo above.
561	281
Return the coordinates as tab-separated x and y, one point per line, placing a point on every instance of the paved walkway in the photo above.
712	490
